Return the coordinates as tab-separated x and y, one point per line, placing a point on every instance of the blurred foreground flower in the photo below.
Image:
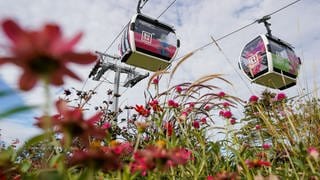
42	54
154	157
313	152
257	163
72	124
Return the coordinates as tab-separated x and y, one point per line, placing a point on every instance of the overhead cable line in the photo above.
239	29
165	10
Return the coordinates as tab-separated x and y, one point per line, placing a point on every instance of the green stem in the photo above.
137	143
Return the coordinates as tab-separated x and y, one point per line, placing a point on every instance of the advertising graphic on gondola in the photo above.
254	59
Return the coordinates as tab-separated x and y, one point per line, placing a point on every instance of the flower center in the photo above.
44	65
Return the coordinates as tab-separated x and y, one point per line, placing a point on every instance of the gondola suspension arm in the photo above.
264	20
140	6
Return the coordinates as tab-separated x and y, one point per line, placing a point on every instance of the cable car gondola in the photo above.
269	61
148	43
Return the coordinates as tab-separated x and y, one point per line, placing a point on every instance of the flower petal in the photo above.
12	30
61	106
72	74
52	32
4	60
68	46
80	58
27	81
57	78
94	118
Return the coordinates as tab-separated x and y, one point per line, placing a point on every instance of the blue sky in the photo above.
194	20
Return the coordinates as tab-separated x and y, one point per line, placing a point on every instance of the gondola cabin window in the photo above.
269	61
154	40
149	44
284	59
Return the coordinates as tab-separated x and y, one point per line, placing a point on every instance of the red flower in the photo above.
253	99
173	104
168	126
224	175
42	54
196	124
142	111
155	105
281	96
256	163
123	149
71	123
154	157
96	158
179	156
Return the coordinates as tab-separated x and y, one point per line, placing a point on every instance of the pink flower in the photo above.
203	120
258	127
191	105
221	94
178	89
233	121
173	104
106	125
155	157
281	96
253	99
155	81
227	114
207	108
42	54
313	152
226	104
266	146
196	124
183	116
257	163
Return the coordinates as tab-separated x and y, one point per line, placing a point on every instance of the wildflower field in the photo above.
171	136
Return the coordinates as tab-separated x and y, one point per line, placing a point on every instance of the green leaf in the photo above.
15	111
25	166
50	174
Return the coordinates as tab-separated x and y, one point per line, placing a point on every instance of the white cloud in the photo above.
13	130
